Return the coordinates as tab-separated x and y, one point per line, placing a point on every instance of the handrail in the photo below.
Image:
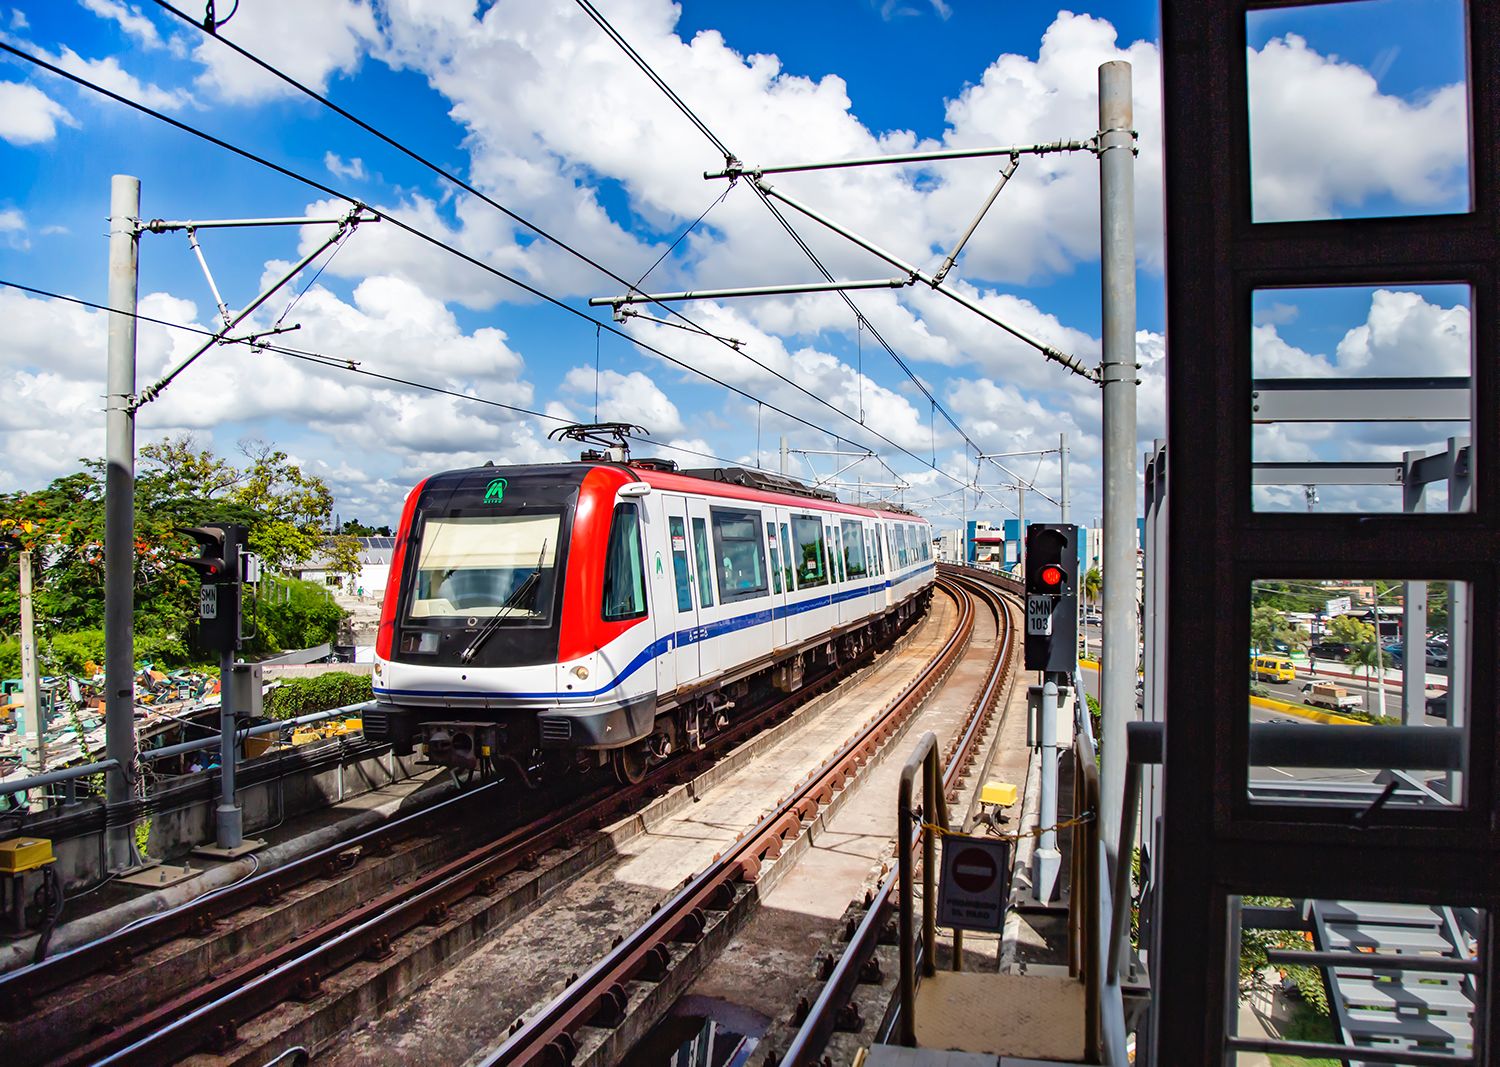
65	774
924	757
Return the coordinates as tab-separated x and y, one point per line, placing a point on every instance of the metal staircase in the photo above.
1384	1005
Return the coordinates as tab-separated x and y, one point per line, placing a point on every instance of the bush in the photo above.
293	614
70	651
318	692
10	658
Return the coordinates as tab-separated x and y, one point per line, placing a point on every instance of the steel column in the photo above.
1117	374
119	513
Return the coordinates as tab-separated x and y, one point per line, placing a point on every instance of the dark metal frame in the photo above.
1216	843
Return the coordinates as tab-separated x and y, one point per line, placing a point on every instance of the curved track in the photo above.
599	997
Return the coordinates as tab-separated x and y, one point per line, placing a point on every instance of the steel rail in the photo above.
21	987
599	996
211	1013
821	1019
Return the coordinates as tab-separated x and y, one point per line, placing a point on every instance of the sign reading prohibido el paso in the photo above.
974	883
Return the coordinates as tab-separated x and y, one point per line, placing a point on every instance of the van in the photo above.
1272	669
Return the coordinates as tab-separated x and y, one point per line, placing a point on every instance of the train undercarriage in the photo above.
529	746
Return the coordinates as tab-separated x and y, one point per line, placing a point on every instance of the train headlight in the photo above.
580	672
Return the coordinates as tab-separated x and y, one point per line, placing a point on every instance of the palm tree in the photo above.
1093	582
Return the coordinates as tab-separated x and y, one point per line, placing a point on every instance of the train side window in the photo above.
786	555
811	565
681	572
854	549
742	558
775	557
879	540
899	538
624	574
705	569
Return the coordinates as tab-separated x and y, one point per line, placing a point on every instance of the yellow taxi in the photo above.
1272	669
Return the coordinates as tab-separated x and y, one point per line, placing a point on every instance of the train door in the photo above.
836	574
710	648
684	596
659	578
776	554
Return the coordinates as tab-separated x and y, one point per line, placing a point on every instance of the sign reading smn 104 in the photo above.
974	883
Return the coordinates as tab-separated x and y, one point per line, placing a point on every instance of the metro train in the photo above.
611	611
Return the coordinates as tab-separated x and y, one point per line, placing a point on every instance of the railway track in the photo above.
203	1007
583	1023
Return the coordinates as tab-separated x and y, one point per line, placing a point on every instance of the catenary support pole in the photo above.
31	690
119	513
1117	372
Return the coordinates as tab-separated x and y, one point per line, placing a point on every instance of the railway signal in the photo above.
1052	597
221	557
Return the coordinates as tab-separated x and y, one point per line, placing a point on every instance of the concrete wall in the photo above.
185	815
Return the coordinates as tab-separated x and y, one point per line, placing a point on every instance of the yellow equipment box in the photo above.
1002	794
24	854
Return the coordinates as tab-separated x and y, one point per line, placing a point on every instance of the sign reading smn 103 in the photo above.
974	883
1039	614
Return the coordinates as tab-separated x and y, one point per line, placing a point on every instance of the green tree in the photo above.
1269	626
1093	584
178	484
355	528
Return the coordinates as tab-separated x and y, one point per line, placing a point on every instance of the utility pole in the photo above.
31	690
1117	371
119	518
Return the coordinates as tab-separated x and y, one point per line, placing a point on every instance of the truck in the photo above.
1330	696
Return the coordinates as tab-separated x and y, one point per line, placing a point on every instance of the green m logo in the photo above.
495	491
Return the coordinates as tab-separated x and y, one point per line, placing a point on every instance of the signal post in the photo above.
1051	573
222	564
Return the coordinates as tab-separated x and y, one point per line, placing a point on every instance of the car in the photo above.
1329	650
1437	705
1437	655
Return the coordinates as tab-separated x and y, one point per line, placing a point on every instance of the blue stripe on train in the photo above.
662	645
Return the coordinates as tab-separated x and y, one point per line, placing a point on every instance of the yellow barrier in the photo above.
1304	712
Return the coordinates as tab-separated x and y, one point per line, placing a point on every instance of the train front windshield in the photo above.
487	566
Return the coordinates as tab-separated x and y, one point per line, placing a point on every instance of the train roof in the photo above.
739	483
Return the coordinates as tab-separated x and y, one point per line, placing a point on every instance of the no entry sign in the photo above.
974	884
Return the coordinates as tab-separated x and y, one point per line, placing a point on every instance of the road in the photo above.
1292	694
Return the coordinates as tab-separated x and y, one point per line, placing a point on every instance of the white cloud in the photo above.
130	19
108	72
1405	335
310	49
28	115
18	19
13	229
629	397
339	168
1273	357
1325	139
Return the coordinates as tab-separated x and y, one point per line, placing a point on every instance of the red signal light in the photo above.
1052	575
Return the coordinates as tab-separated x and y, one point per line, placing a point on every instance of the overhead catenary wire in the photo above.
729	156
422	235
437	242
351	366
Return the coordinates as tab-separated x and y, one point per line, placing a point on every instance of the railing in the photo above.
69	776
934	812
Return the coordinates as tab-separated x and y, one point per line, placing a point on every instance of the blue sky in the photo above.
531	103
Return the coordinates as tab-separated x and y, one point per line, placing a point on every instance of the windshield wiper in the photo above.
520	593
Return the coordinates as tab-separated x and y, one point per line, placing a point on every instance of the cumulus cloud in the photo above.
629	397
1404	334
331	43
108	73
28	115
13	229
340	168
129	18
1325	140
